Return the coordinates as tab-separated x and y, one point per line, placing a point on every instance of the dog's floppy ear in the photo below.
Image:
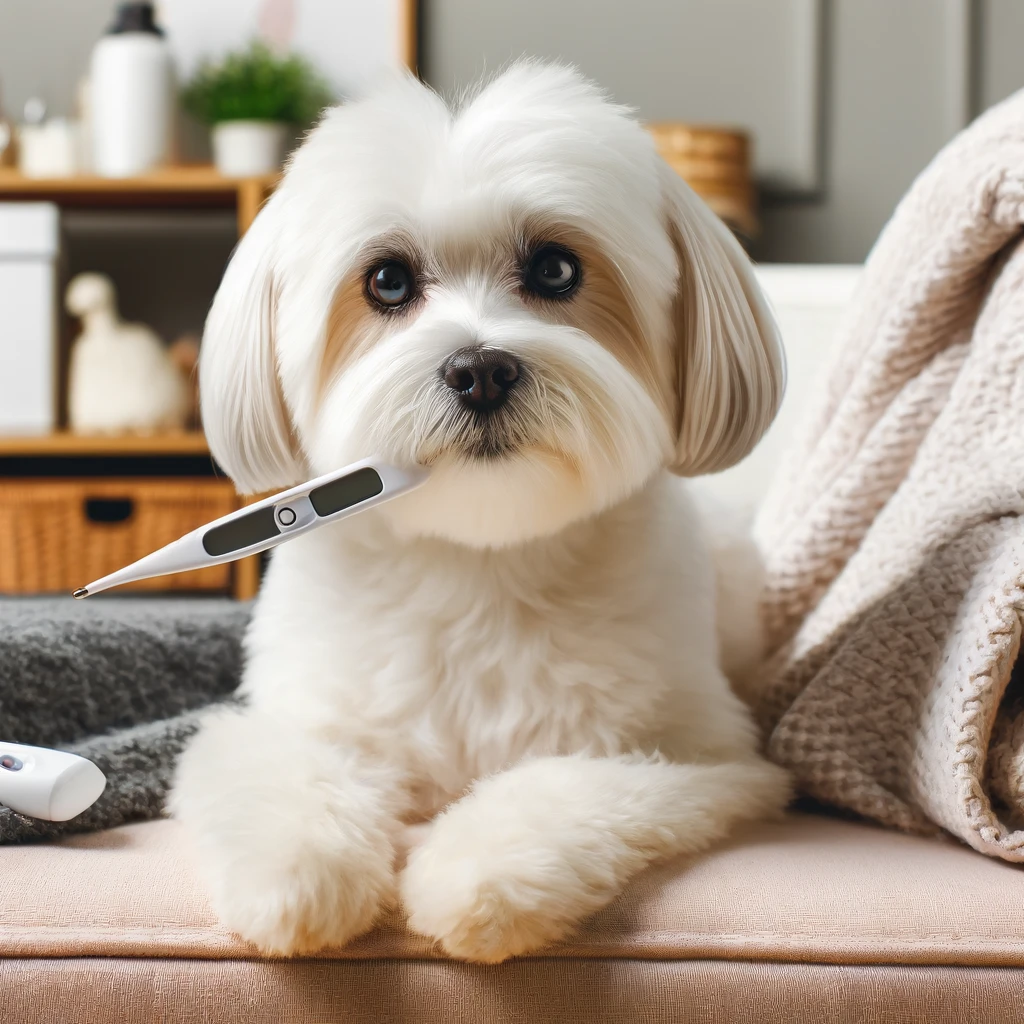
243	412
729	360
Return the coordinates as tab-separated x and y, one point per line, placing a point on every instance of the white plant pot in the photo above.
245	148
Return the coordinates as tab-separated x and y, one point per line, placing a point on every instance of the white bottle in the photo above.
132	95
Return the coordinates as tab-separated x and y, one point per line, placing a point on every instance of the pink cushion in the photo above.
807	919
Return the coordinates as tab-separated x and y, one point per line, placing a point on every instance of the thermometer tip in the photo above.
80	593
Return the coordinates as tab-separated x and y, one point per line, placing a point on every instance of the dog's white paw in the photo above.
487	896
310	898
296	849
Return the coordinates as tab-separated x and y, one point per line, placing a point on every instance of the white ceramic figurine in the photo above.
122	376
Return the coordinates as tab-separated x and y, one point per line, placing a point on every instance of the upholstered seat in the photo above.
798	920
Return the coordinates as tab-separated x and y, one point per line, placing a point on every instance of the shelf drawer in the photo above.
57	535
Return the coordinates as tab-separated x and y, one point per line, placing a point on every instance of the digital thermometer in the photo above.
49	784
271	521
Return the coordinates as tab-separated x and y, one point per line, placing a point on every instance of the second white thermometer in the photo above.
49	784
271	521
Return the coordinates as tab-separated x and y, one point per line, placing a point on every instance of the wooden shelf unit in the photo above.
183	187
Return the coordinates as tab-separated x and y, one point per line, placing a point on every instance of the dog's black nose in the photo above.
483	377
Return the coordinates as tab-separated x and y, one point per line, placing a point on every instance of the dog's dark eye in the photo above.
390	284
553	272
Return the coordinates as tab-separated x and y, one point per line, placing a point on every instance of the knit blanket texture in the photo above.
893	534
119	680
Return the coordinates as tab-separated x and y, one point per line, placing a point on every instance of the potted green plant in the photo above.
254	101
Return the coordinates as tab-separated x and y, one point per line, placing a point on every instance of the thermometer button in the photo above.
286	516
11	763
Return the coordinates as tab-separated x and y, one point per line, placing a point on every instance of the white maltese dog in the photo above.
498	698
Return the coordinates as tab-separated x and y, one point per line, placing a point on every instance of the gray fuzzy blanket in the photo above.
119	680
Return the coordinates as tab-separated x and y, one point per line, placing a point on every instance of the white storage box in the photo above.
29	251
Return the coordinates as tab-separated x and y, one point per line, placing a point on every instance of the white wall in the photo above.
904	76
870	88
748	62
44	49
897	79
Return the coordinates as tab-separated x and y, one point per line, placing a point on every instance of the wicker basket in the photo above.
715	163
56	535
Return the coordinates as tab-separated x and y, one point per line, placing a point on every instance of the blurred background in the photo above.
137	142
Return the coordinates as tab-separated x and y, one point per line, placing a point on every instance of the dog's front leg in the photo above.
294	835
528	853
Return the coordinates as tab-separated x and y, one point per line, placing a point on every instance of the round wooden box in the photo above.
715	163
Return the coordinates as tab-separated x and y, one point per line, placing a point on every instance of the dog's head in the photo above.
519	294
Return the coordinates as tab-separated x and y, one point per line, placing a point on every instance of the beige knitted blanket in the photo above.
894	535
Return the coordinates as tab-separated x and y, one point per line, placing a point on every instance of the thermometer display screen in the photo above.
261	525
241	533
359	486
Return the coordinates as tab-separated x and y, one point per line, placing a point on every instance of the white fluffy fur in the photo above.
521	657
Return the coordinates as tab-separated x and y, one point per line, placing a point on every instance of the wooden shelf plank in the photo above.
184	179
195	186
65	443
198	186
